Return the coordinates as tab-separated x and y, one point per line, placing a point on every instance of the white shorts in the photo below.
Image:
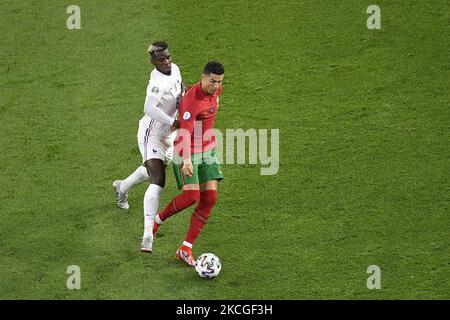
155	141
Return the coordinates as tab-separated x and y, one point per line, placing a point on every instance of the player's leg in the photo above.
208	197
189	196
209	174
140	174
154	155
123	186
152	195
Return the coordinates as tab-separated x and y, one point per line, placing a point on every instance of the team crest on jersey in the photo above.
155	90
212	109
186	115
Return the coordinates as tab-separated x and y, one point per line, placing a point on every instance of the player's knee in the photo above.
158	177
192	196
159	180
208	197
156	170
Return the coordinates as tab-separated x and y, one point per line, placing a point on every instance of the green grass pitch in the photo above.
364	149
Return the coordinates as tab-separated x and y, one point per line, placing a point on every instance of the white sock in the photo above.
138	176
151	204
158	219
187	244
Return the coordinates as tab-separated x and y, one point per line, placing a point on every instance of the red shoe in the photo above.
185	254
156	224
155	228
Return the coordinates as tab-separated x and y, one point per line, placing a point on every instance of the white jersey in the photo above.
163	93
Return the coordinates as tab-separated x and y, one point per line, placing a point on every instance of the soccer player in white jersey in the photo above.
157	131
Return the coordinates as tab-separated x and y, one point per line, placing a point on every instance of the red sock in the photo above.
201	213
179	203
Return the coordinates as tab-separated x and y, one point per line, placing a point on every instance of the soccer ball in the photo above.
208	265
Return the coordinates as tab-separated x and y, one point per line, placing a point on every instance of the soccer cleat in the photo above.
122	198
147	244
185	254
156	224
155	228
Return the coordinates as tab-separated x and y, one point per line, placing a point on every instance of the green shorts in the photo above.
206	168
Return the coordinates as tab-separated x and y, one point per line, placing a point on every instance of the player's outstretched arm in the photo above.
151	109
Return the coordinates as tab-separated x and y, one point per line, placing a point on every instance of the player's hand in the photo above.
188	169
175	125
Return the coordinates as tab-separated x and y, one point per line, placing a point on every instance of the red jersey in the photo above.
197	114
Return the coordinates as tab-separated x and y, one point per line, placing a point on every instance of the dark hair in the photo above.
157	46
213	67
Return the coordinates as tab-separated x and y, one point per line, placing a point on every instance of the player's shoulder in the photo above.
176	71
190	97
155	85
175	68
155	76
157	81
191	92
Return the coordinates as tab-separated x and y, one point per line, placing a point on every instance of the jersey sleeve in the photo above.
153	98
187	121
155	89
177	69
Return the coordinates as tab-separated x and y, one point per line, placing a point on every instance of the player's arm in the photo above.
187	122
151	106
176	123
183	88
187	117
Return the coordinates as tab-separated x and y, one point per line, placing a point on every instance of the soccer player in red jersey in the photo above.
195	164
